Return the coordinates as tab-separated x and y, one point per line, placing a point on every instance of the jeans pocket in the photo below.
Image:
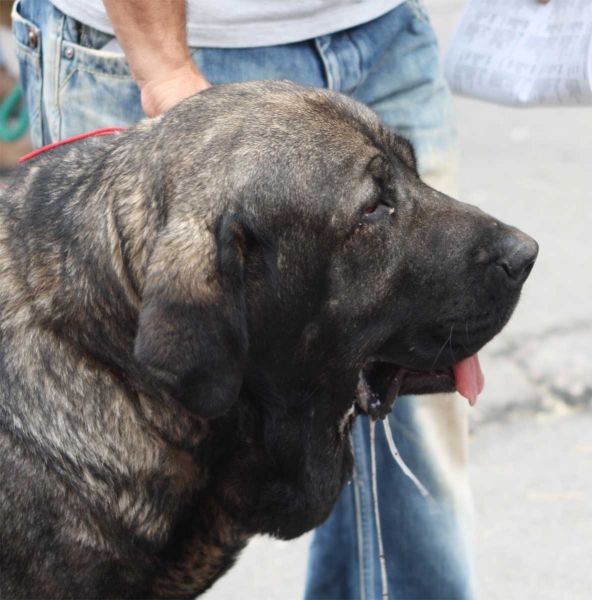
27	37
96	89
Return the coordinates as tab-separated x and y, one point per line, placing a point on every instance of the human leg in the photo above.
428	551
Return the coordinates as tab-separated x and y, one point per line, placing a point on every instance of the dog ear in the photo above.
192	331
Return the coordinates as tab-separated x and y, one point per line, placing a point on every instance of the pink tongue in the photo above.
469	378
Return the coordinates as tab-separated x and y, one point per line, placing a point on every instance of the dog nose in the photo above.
518	253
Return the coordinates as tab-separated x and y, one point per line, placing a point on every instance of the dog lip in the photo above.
347	421
385	380
428	382
382	381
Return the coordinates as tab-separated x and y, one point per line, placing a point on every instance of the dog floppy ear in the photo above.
192	331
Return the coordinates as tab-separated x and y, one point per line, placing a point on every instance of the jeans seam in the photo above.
26	54
366	516
359	533
419	13
361	75
59	45
82	34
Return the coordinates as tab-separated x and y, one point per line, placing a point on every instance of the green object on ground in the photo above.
14	119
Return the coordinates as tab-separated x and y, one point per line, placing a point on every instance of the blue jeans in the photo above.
391	64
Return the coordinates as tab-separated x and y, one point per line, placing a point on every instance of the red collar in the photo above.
104	131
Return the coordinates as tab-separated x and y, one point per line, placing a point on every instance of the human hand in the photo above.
160	93
153	36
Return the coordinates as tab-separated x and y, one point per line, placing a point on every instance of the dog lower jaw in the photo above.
380	383
268	492
286	510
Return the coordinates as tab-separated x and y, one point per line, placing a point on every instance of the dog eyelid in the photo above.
374	206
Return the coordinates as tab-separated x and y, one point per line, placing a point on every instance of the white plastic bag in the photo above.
522	52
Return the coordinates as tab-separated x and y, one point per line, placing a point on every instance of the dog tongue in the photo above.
469	378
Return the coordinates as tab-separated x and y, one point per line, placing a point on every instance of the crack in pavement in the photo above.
516	344
545	373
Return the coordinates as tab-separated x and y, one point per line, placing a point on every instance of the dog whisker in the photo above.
450	340
467	333
442	348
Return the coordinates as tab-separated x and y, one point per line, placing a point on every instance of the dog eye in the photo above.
376	211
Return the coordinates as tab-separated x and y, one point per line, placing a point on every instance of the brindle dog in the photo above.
186	311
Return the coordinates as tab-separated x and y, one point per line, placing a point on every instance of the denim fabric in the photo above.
391	64
427	545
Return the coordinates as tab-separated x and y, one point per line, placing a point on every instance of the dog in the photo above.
188	310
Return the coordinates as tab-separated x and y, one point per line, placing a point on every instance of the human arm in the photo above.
153	36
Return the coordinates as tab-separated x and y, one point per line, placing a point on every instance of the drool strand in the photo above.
391	442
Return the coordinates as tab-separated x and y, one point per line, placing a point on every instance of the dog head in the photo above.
298	253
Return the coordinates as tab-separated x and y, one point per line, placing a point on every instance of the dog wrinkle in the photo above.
117	255
141	516
131	215
202	557
148	124
130	450
81	531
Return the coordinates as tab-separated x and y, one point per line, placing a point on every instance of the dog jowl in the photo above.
188	312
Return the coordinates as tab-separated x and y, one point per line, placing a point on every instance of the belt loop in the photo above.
329	60
57	134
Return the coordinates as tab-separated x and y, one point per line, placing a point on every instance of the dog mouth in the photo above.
381	383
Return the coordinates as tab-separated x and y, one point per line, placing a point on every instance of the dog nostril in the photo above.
528	269
518	255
